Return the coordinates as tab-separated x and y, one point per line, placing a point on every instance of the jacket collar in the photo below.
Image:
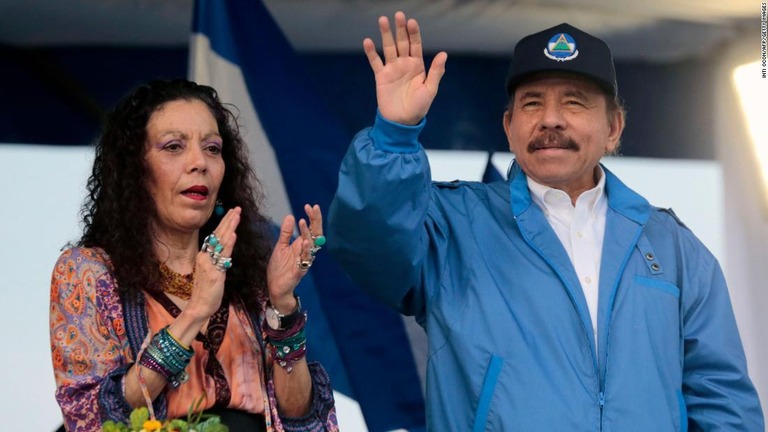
621	198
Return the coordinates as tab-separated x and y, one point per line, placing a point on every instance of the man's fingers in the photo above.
402	35
414	37
387	40
373	57
436	71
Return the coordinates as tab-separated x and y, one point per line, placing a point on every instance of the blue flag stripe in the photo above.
309	143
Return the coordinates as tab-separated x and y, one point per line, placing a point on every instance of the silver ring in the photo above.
303	264
222	264
212	245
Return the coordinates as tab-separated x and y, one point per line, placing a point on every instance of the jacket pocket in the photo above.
486	393
658	284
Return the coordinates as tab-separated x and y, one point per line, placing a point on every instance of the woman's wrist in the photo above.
188	324
285	304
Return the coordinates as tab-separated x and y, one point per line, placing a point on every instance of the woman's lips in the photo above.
197	193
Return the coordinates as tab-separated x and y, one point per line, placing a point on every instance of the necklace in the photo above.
175	283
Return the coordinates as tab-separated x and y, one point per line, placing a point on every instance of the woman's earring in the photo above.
219	209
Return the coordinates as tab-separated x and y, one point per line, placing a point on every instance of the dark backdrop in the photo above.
60	95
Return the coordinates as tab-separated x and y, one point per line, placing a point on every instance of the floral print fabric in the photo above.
91	352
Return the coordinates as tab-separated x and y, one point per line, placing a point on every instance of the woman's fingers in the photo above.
225	232
213	261
220	246
315	219
286	231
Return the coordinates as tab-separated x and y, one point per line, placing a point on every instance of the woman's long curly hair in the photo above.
118	210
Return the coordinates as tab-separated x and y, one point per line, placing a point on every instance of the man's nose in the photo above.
552	117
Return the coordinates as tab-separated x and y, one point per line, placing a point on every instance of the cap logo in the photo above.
562	47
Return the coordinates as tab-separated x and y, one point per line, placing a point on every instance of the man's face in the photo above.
558	128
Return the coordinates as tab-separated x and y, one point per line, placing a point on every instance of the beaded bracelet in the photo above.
286	358
283	348
288	346
168	357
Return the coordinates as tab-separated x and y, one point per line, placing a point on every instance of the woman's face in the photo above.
183	153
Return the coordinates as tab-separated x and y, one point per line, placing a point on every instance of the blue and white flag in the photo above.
491	174
296	145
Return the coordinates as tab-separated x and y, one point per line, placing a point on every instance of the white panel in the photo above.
42	189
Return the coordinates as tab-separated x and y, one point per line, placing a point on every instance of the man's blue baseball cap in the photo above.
563	48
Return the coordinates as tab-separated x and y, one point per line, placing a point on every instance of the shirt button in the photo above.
588	280
579	234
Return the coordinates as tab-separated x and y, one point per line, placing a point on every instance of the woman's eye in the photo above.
173	146
213	149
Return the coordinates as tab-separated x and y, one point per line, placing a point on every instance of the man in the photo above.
559	300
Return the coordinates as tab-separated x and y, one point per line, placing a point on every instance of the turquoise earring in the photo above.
219	209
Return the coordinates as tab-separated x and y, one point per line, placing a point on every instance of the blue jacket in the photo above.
511	345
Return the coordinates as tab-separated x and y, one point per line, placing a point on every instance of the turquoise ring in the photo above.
319	240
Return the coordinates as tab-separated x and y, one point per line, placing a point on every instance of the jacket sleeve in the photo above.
719	395
377	218
88	356
322	410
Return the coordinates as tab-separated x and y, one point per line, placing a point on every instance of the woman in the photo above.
164	299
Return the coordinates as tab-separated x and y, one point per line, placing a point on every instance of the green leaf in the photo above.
194	417
110	426
138	417
179	425
212	424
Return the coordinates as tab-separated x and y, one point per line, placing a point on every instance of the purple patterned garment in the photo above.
91	348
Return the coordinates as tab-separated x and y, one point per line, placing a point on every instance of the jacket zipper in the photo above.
601	401
600	394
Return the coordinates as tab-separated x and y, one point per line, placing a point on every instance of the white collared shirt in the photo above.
581	229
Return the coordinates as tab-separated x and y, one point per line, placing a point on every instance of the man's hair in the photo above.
118	211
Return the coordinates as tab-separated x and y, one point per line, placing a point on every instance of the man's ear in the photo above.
616	125
506	121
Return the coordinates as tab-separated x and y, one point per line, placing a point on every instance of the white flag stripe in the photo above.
209	68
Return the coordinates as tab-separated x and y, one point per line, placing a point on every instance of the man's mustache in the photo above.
549	140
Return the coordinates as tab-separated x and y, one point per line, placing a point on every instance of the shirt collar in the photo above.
540	193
